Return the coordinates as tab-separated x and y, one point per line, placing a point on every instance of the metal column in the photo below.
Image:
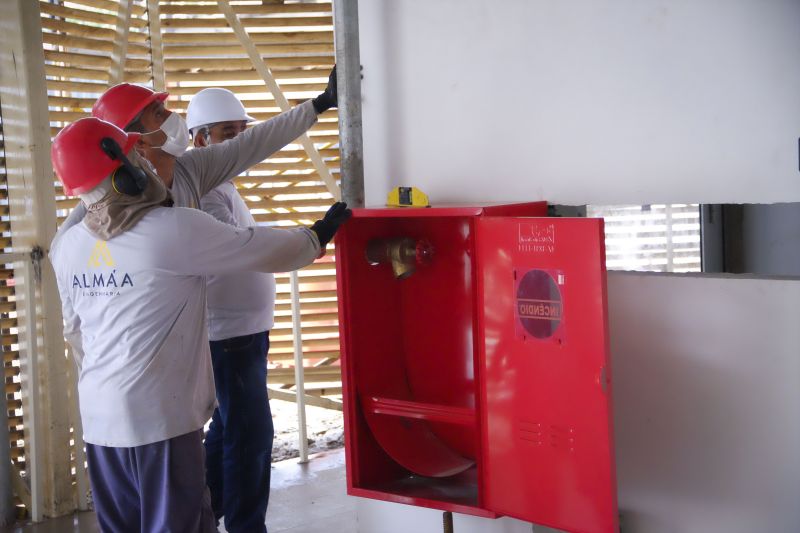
348	80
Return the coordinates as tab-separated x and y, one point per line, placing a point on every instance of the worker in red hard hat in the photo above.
132	281
189	175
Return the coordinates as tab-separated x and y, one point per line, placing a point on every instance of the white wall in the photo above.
630	101
706	377
586	101
706	374
383	517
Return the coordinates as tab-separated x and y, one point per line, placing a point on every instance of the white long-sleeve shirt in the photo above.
238	304
135	307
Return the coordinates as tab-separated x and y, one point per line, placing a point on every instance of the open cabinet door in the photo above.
547	445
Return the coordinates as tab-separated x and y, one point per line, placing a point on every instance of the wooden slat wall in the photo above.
656	238
296	41
8	326
200	50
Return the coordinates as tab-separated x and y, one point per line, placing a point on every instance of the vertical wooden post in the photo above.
120	51
32	209
156	45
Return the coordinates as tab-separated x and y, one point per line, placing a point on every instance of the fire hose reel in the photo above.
470	375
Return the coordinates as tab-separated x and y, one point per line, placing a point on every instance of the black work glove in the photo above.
326	228
329	98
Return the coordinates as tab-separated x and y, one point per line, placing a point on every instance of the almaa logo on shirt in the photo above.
101	257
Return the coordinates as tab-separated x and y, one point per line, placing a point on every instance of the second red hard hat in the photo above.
121	103
79	161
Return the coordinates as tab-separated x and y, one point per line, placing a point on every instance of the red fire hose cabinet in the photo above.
475	363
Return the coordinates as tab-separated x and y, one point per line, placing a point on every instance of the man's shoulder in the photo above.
183	216
222	192
68	238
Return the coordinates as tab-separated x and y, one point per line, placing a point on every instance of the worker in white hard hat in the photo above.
240	316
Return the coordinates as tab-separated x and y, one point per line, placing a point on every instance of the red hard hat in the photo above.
79	161
122	103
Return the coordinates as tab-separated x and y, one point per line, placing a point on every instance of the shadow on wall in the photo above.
761	239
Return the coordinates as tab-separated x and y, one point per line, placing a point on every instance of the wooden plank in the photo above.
57	10
308	355
319	390
93	32
304	303
76	86
89	44
295	165
220	38
156	45
305	280
108	5
291	189
236	50
250	22
93	74
308	317
311	311
280	333
263	9
281	178
91	60
316	401
293	153
7	323
326	344
70	102
240	75
72	72
6	291
243	89
287	217
289	204
322	61
312	375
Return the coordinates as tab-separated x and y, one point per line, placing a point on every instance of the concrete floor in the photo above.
306	498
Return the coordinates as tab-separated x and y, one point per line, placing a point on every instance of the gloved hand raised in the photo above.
326	228
329	98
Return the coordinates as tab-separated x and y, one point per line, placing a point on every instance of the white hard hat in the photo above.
213	105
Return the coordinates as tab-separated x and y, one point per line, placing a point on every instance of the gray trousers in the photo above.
155	488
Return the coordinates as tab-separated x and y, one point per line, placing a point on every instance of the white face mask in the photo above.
177	135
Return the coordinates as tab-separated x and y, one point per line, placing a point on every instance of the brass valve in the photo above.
403	253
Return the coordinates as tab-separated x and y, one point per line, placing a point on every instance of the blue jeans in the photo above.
239	440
